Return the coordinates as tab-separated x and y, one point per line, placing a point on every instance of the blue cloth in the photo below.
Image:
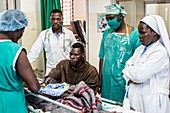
11	20
54	89
146	48
58	35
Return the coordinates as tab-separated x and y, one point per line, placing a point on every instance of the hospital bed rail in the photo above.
51	101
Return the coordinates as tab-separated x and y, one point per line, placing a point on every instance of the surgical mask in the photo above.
114	24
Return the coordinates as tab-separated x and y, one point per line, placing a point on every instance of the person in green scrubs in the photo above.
14	65
117	46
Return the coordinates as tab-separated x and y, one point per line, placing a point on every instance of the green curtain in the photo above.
46	7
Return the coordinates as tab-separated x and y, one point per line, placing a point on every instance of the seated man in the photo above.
75	70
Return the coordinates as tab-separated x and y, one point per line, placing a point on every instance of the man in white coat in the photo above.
147	72
56	42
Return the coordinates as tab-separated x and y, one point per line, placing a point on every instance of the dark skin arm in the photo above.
49	80
53	75
25	70
100	75
130	81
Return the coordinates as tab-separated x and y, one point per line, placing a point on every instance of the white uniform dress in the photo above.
152	72
55	49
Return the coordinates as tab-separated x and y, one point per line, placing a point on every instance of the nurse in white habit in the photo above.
147	72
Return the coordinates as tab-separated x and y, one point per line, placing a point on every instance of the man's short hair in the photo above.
78	45
56	11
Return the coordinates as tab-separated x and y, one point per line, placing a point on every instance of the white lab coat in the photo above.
152	72
55	49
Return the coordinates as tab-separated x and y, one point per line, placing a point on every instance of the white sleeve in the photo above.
155	63
36	48
74	40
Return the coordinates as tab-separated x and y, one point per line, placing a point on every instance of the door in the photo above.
162	9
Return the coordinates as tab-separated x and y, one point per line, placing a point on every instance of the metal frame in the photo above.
52	101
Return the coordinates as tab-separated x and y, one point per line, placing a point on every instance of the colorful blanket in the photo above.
81	97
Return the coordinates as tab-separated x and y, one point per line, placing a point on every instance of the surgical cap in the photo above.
115	9
157	23
11	20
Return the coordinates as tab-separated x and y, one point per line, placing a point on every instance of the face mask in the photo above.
114	24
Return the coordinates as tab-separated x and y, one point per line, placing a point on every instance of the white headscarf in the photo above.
157	24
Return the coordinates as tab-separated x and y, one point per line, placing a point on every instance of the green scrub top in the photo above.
115	50
12	99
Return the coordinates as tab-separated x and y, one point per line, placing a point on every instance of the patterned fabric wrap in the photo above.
115	9
81	97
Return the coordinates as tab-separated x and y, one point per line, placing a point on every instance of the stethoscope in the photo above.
48	39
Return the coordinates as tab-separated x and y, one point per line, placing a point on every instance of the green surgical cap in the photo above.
11	20
115	9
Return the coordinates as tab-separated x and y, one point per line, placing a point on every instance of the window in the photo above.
67	9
